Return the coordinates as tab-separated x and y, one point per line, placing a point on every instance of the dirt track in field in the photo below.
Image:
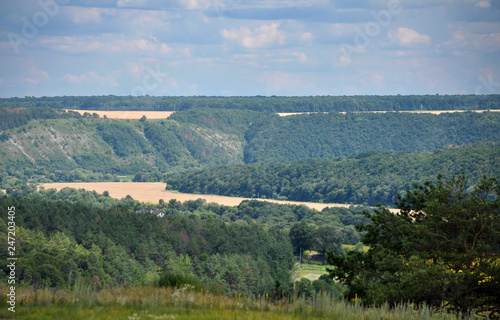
154	191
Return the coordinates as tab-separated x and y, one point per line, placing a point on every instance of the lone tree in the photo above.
442	250
301	237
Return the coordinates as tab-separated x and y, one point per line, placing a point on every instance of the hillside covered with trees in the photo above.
368	178
46	145
441	251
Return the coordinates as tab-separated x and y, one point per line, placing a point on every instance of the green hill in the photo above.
333	135
78	148
368	178
40	144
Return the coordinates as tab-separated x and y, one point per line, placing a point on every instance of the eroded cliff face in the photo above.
118	146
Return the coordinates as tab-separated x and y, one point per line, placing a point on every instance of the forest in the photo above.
59	243
369	178
440	170
68	147
264	103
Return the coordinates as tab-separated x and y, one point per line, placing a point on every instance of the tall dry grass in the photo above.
86	301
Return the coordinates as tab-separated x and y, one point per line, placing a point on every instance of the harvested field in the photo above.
413	111
131	115
154	191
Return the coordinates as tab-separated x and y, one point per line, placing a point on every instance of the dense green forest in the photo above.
15	117
332	135
368	178
270	215
262	103
239	146
56	146
59	243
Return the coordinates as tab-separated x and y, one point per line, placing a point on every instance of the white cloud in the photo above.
91	77
262	36
343	61
484	4
301	55
186	52
410	38
195	4
86	16
279	80
464	42
35	75
306	36
106	44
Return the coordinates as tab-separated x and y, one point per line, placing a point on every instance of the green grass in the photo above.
311	271
127	178
183	303
351	247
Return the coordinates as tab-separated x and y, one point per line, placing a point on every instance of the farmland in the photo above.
225	194
135	115
127	115
285	114
152	192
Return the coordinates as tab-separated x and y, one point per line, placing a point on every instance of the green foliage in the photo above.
61	242
124	140
178	280
366	179
262	103
442	250
329	136
16	117
164	139
52	145
184	304
301	236
227	121
305	288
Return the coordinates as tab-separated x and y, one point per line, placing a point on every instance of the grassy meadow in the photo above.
88	302
312	272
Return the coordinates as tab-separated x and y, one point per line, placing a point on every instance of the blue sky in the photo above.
244	47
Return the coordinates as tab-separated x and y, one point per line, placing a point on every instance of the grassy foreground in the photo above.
183	303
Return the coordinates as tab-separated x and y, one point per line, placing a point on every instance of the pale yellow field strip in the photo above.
131	115
152	192
413	111
135	115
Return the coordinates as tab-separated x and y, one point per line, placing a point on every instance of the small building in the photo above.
158	213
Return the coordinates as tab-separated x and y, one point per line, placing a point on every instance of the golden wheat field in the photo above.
154	191
132	115
284	114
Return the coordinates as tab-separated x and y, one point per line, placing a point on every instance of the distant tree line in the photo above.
263	103
13	117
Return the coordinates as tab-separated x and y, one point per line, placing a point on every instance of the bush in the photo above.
178	280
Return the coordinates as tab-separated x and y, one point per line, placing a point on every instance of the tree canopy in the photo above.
443	249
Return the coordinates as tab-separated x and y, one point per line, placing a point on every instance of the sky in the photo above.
249	47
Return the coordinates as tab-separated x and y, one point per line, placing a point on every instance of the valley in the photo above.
152	192
215	203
